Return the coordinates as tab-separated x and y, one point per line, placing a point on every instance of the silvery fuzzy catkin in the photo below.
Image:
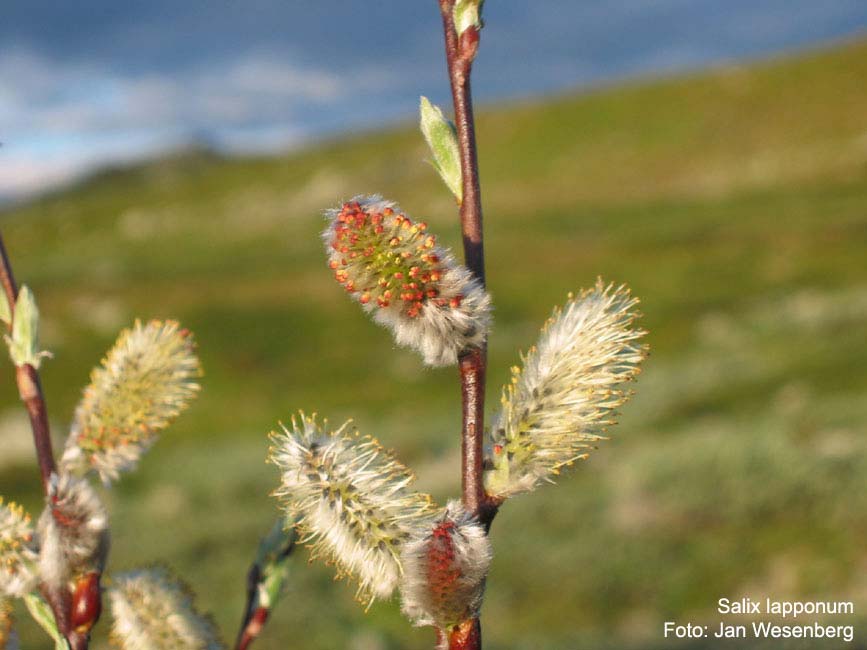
18	558
144	382
394	268
445	567
351	498
565	396
73	530
152	610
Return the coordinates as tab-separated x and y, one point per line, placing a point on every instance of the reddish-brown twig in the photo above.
30	390
460	53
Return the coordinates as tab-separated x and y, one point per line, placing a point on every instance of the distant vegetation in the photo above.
734	202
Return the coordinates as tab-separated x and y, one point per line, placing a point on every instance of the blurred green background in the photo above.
733	202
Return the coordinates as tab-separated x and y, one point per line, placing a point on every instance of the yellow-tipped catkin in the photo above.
8	637
559	405
18	558
394	268
144	382
351	499
152	610
445	567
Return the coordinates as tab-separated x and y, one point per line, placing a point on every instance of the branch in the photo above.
30	390
460	52
265	582
29	387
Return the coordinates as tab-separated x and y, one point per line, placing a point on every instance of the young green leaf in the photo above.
41	613
24	342
443	143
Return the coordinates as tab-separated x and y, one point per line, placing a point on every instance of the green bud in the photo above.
443	142
272	559
467	13
24	342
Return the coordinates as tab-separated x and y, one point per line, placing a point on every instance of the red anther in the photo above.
364	299
394	241
435	276
367	252
334	264
414	271
433	259
422	225
388	212
432	293
344	249
378	230
376	219
456	302
398	275
498	449
341	275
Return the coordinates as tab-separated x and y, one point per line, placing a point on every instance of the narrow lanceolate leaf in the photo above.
42	614
396	270
144	382
351	499
18	558
24	342
445	569
73	531
8	637
152	609
559	405
441	138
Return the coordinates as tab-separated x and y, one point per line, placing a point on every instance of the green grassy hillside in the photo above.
734	203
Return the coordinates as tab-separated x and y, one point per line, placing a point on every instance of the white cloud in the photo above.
59	119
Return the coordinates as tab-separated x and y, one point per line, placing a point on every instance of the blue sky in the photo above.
88	82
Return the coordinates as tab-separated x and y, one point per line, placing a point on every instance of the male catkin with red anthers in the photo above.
394	268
